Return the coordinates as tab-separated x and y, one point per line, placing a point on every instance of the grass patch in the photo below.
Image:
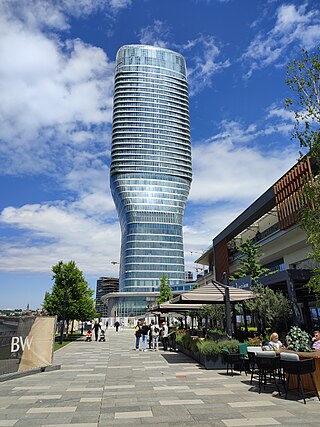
66	340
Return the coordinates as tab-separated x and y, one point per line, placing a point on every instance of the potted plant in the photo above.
298	340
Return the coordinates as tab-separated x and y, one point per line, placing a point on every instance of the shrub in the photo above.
230	345
298	340
186	341
210	347
255	340
207	347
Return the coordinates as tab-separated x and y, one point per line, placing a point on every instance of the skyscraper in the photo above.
151	171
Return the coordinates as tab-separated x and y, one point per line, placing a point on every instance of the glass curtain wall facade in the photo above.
151	171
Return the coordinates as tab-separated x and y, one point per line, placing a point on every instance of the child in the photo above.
102	336
89	335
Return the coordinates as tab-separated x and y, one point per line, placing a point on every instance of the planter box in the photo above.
214	362
195	356
209	362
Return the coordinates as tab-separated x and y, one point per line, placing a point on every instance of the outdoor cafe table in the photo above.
306	380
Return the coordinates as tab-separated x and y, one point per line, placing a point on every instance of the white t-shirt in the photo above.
165	331
275	344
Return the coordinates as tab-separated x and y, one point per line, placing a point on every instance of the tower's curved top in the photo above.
139	54
151	127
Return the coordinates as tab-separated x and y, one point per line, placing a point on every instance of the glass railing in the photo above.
234	252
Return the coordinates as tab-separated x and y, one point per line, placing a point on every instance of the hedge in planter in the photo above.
211	352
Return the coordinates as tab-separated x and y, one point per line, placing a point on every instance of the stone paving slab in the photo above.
110	384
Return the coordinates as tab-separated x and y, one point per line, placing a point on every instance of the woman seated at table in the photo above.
316	340
274	343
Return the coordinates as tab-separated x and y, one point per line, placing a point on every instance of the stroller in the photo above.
102	336
89	335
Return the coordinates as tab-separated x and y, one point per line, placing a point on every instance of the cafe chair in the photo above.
298	368
234	361
251	351
288	356
268	365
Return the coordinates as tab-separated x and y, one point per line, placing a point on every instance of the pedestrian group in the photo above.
154	332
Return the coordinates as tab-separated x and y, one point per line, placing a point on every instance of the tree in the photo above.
249	262
215	312
273	308
70	297
165	290
303	78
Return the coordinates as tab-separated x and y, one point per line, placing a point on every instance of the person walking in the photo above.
149	335
144	334
96	328
154	333
116	325
138	335
164	336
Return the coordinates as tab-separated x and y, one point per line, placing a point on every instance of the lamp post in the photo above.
227	303
63	312
116	310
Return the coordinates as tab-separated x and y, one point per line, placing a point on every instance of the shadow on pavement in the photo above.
178	358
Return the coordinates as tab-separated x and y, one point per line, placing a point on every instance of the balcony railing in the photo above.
235	253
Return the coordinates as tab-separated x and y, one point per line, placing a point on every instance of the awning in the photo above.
212	293
168	307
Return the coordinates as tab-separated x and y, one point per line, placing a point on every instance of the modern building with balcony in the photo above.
272	222
150	172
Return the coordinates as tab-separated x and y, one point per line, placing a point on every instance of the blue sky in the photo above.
56	85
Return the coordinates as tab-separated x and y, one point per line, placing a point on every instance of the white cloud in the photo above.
230	170
294	24
55	119
227	168
203	224
202	54
203	65
156	34
281	113
56	98
56	14
58	231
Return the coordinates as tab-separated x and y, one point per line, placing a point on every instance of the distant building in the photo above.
105	285
188	276
272	222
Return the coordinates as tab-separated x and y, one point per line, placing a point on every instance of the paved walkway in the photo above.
109	384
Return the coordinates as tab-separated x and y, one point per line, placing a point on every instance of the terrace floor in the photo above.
110	384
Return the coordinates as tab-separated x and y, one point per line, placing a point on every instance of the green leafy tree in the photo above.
303	78
310	222
165	290
70	296
273	308
250	265
214	312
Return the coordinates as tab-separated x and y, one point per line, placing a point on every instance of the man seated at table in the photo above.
316	340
